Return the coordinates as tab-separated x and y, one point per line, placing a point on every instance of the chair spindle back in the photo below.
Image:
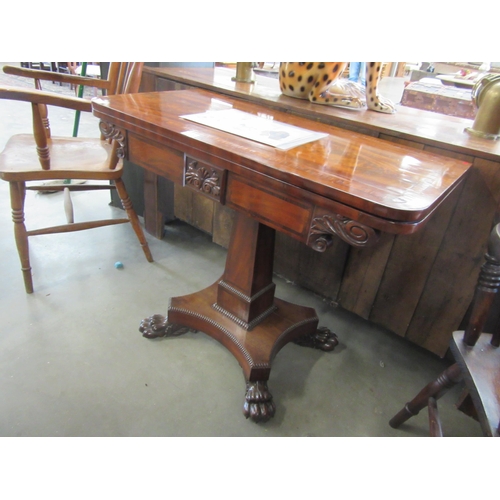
123	78
487	287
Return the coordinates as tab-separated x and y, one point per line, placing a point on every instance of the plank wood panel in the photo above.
490	171
287	257
362	276
222	224
449	289
203	213
301	265
312	265
408	268
183	203
194	208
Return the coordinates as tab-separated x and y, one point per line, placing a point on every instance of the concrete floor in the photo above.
73	363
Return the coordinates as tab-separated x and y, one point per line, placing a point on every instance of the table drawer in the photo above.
270	206
163	161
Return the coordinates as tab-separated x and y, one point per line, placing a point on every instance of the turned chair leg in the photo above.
17	196
435	429
435	390
134	220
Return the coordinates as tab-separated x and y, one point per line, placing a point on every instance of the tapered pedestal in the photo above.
242	313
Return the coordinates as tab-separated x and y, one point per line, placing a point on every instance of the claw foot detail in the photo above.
322	339
259	405
158	326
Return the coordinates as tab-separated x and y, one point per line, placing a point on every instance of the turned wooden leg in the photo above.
68	206
435	429
17	196
435	390
134	220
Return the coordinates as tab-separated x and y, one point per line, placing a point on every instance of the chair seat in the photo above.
480	366
70	158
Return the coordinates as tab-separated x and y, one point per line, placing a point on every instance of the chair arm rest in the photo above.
41	97
56	77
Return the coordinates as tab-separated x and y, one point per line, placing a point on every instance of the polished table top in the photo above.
385	180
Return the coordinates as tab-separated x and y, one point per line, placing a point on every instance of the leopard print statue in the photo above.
320	83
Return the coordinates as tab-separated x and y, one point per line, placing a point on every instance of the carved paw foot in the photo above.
322	339
259	405
158	326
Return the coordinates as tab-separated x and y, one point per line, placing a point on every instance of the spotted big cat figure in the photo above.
320	83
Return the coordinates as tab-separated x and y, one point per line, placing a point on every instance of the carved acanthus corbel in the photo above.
353	232
110	131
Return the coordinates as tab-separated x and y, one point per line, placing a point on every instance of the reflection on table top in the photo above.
381	178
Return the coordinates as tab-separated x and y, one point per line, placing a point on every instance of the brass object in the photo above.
486	96
244	72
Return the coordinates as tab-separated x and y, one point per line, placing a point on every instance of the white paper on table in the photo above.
256	128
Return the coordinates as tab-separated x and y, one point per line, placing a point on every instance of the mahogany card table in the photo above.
344	185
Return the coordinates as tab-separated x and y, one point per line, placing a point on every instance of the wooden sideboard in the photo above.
418	286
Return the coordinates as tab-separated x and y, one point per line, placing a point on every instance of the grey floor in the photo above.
73	363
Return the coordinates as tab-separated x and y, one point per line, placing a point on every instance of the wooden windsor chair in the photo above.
41	157
477	358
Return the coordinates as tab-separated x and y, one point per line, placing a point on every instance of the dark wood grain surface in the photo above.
382	179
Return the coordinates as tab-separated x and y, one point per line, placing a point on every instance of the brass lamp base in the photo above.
486	96
244	73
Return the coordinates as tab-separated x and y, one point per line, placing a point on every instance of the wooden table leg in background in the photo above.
241	311
158	203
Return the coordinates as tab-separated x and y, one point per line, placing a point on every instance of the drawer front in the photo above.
282	212
163	161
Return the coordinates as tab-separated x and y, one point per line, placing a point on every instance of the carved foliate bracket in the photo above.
204	178
112	132
355	233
